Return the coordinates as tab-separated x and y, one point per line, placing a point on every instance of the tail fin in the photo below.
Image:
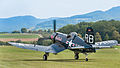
89	36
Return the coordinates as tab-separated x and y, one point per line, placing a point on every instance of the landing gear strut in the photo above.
86	55
45	56
76	56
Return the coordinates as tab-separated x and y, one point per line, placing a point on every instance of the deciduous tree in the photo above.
98	37
24	30
106	37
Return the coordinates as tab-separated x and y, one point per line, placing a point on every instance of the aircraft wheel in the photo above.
76	56
44	57
86	59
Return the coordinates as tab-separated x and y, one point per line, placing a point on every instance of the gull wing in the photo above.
53	48
103	44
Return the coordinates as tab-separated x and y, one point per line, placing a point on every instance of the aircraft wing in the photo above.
105	44
53	48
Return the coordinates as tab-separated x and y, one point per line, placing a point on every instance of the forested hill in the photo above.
33	23
107	29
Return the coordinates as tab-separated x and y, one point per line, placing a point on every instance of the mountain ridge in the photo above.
28	21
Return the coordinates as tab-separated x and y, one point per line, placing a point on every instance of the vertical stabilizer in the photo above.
89	36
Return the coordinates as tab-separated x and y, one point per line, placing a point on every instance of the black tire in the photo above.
76	56
44	57
86	59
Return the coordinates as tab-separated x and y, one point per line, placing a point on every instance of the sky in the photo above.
53	8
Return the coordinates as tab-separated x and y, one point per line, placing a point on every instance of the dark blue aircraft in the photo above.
70	41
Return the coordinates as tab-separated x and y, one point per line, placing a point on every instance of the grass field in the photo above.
18	35
12	57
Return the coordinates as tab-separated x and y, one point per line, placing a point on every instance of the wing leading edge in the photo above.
53	48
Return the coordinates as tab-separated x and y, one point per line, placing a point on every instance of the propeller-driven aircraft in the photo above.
70	41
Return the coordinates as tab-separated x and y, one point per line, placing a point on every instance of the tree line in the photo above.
104	30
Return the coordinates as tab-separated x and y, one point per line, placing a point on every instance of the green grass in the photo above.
13	57
18	35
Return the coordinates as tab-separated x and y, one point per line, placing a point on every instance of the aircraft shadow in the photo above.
60	60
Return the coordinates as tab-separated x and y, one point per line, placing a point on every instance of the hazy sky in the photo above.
53	8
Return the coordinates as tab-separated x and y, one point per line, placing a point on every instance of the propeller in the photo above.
54	25
54	22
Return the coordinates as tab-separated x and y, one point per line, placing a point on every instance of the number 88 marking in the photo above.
89	38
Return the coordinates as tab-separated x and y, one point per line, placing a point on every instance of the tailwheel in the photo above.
86	59
86	55
76	56
44	57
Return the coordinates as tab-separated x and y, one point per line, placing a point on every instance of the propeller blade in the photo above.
54	22
54	25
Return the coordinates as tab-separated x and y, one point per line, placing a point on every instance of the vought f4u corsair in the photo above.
70	41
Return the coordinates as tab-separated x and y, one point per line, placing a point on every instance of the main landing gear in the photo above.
77	56
45	56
